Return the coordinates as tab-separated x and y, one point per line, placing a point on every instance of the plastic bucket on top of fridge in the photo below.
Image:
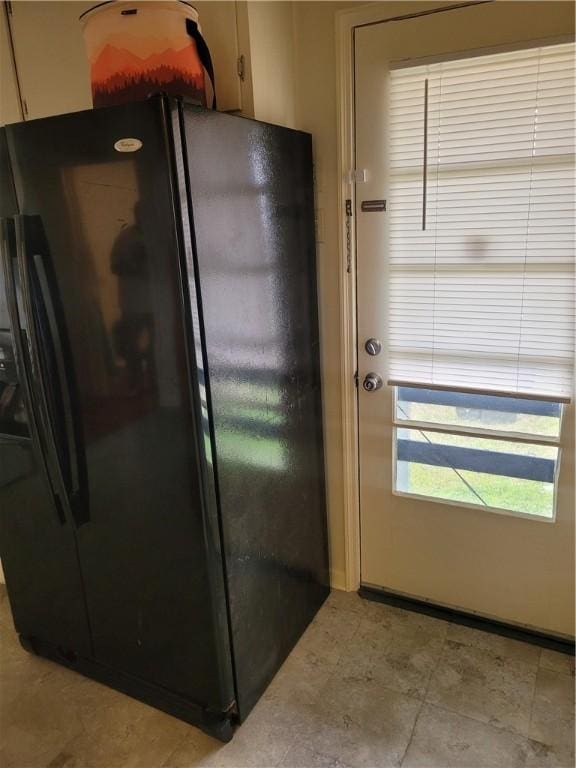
136	49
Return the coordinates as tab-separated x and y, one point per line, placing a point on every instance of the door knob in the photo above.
372	382
373	347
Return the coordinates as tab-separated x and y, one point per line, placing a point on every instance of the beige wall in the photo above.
315	89
272	60
9	102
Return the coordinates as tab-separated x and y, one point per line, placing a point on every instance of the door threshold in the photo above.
466	619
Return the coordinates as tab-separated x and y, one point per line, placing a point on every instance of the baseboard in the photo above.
494	626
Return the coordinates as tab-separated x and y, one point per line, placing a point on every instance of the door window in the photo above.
457	447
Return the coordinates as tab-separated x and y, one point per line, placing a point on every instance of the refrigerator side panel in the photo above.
113	248
253	217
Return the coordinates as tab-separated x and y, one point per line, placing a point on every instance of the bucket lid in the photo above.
113	2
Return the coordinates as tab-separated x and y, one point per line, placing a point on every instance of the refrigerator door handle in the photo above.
8	257
73	453
36	290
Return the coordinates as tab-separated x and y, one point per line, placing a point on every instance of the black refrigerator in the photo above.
162	494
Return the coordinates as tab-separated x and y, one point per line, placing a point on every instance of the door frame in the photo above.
346	21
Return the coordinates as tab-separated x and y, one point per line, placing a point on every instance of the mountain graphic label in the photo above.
119	75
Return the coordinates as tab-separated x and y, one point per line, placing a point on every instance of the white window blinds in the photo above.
481	227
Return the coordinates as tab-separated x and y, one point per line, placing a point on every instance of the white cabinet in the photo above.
50	58
51	62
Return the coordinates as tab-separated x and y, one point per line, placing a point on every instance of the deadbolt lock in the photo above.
372	382
373	347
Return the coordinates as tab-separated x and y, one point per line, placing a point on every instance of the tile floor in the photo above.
368	686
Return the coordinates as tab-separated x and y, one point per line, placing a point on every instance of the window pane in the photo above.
502	414
500	474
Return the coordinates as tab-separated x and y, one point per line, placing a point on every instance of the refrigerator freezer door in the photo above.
152	572
37	542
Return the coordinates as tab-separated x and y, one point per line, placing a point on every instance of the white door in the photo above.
464	126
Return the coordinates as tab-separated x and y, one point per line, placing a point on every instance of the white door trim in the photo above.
346	21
